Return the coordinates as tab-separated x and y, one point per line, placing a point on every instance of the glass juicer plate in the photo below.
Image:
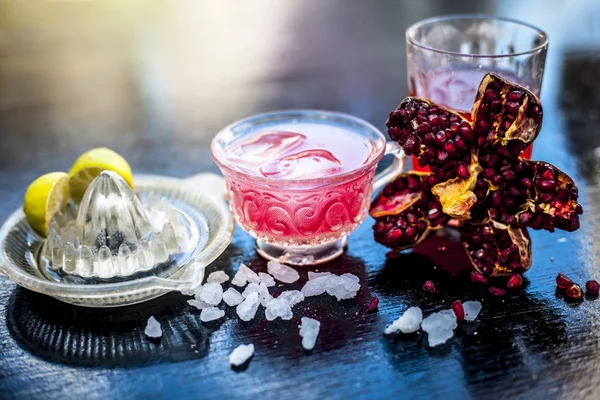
26	258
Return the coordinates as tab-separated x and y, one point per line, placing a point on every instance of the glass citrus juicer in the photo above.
119	247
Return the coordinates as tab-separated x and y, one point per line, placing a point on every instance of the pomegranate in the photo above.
497	249
478	277
477	178
405	211
591	288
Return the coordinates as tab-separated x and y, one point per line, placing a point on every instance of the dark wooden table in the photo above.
156	80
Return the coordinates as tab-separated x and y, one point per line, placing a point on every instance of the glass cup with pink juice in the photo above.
300	181
448	56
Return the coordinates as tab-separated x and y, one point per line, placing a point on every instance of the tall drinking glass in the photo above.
448	56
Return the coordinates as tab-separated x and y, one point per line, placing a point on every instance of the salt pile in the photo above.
278	308
472	309
217	277
342	287
282	273
409	322
293	297
266	279
439	327
241	354
309	330
211	293
211	314
232	297
244	276
246	310
153	328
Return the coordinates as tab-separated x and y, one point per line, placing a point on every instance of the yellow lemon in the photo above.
89	165
47	195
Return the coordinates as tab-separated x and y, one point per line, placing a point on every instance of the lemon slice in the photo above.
90	164
47	195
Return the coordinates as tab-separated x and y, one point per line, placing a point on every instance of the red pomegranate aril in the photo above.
514	95
458	309
574	291
373	304
497	291
514	282
526	182
491	95
548	175
592	287
546	186
478	277
511	107
429	286
562	281
462	172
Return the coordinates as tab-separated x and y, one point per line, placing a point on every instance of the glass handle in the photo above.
393	170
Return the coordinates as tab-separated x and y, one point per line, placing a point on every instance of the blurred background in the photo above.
155	80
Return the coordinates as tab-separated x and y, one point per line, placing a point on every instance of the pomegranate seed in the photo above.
563	282
591	288
514	282
497	291
462	172
478	277
429	286
574	291
458	309
373	304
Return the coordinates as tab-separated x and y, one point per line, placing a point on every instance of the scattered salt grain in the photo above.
244	275
246	310
263	292
241	354
342	287
232	297
211	314
439	327
282	272
153	328
212	293
217	277
309	330
293	297
313	275
561	240
266	279
278	308
472	309
198	304
409	322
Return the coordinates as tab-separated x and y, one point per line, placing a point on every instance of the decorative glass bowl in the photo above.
25	257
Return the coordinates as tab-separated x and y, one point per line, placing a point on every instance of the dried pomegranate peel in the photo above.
477	178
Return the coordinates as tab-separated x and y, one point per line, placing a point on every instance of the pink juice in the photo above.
298	186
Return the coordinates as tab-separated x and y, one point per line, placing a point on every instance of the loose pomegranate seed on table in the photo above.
478	277
373	304
458	309
592	287
477	178
562	281
429	286
574	291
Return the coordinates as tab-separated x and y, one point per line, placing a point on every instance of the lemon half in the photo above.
47	195
90	164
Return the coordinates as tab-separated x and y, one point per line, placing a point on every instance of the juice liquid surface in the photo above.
299	151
